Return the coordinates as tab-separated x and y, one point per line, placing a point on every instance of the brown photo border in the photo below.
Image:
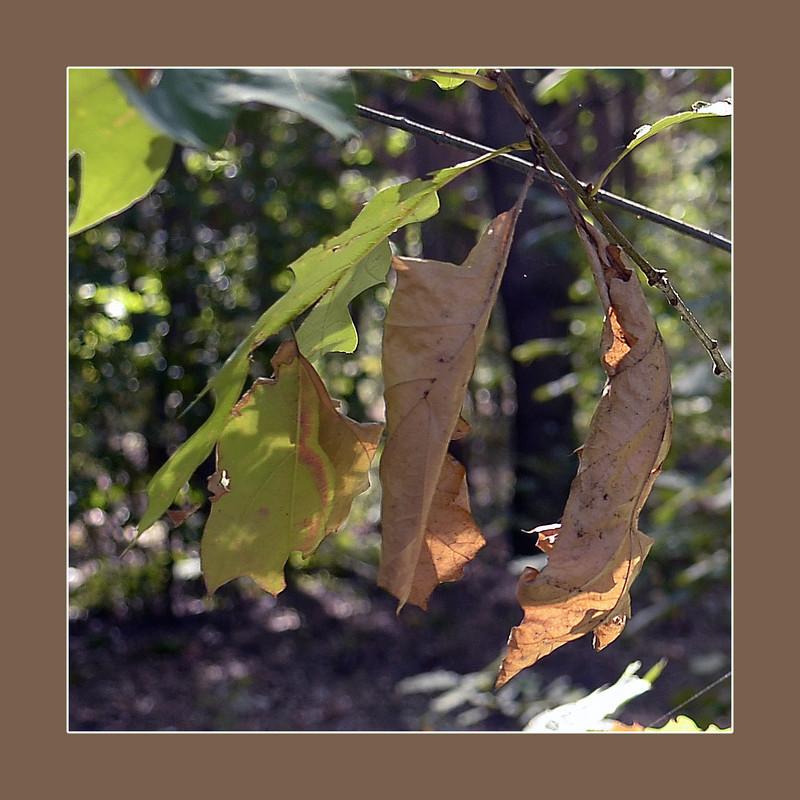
377	765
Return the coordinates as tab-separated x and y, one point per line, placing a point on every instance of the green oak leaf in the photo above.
197	107
122	157
290	464
700	109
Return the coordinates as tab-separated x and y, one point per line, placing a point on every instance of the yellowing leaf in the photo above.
597	552
288	467
436	320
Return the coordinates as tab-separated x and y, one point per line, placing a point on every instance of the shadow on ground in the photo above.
329	657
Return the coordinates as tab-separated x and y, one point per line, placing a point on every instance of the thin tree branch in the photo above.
524	166
656	277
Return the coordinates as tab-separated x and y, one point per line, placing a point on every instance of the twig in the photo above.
656	277
693	697
524	166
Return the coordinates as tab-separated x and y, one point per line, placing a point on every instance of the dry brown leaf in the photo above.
434	326
452	538
597	551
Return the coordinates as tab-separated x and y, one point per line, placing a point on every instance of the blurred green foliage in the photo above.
161	294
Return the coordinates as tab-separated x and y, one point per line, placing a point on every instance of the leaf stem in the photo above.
524	166
656	277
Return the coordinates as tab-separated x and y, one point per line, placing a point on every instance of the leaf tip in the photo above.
605	634
501	681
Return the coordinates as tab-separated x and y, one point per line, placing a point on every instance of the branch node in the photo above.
655	276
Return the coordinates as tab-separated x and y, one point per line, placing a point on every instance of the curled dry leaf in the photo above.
597	551
289	464
435	322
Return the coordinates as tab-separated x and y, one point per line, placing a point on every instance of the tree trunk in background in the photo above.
534	290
